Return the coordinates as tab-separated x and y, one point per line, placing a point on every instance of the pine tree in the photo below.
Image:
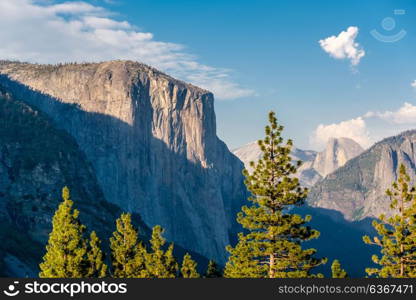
171	264
337	271
127	252
96	266
397	234
66	248
160	263
243	262
272	247
189	267
212	270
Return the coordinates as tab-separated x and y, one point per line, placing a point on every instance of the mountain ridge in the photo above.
358	188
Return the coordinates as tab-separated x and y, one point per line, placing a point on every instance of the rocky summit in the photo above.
357	189
149	142
307	175
336	154
315	165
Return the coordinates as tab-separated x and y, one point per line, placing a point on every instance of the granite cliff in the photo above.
150	141
357	189
36	161
336	154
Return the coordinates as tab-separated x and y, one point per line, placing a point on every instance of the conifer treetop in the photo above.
66	249
396	234
127	252
189	267
272	247
337	271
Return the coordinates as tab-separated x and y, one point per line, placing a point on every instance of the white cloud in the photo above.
369	128
404	115
50	32
413	84
355	129
74	7
344	46
105	23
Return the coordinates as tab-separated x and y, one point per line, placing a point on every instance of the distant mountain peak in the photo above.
315	165
337	152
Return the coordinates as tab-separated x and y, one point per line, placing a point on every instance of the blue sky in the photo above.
263	55
272	47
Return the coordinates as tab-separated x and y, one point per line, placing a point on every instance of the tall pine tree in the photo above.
127	252
189	267
160	263
66	249
272	246
397	234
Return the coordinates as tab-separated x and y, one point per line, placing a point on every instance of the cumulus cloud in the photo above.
51	32
355	129
369	128
404	115
344	46
413	84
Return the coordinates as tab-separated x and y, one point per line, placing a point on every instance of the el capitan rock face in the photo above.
36	161
151	141
357	189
